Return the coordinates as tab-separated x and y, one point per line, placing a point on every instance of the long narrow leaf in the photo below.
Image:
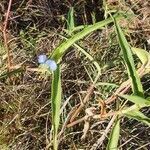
61	49
114	136
143	55
139	116
56	102
134	113
70	20
83	51
127	54
137	100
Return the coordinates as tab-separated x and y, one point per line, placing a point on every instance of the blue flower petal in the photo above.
42	59
51	64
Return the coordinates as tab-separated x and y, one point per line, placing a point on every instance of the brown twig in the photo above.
102	106
121	90
104	135
75	122
5	36
87	97
97	116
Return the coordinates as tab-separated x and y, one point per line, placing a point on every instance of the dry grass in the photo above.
34	28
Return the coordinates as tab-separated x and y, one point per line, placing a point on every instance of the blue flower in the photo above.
51	64
42	59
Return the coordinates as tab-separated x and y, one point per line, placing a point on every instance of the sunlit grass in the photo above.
38	101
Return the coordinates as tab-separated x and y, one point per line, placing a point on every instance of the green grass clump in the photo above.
127	54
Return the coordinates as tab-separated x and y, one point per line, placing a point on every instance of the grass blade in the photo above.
143	55
127	54
83	51
139	116
137	100
70	20
114	136
56	102
134	113
62	48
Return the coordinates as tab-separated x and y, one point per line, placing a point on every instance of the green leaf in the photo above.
83	51
114	136
139	116
70	20
137	100
143	55
62	48
127	54
133	111
56	102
